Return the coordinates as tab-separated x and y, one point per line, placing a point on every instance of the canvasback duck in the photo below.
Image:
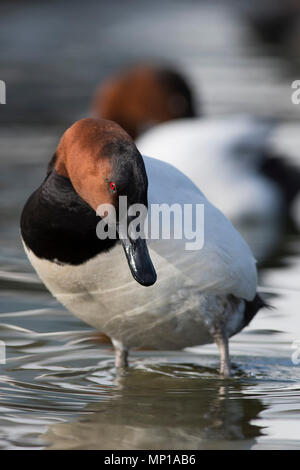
142	96
157	293
228	159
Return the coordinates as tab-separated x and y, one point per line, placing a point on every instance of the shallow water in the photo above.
58	388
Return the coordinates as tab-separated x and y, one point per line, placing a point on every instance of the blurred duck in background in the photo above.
142	96
230	159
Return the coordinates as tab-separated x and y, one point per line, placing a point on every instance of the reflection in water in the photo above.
165	408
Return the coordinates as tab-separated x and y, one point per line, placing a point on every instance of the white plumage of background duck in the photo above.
230	158
224	158
199	296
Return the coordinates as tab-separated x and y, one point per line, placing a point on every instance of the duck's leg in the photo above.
221	340
121	354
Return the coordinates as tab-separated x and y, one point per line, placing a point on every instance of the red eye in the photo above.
112	186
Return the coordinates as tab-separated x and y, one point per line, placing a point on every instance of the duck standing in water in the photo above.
186	297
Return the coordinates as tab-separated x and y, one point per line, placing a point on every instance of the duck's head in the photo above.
143	96
102	163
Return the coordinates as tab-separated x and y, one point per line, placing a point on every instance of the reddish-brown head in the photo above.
102	163
143	96
85	155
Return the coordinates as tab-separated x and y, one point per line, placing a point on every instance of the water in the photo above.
58	388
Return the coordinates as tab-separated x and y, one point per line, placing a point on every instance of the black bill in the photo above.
139	261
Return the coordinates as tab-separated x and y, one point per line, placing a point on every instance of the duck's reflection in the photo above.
165	410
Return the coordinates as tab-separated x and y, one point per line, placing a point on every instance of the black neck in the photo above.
57	225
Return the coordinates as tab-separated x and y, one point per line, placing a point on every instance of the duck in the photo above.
155	292
142	96
230	158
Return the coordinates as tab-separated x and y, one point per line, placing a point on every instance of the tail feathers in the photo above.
252	307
